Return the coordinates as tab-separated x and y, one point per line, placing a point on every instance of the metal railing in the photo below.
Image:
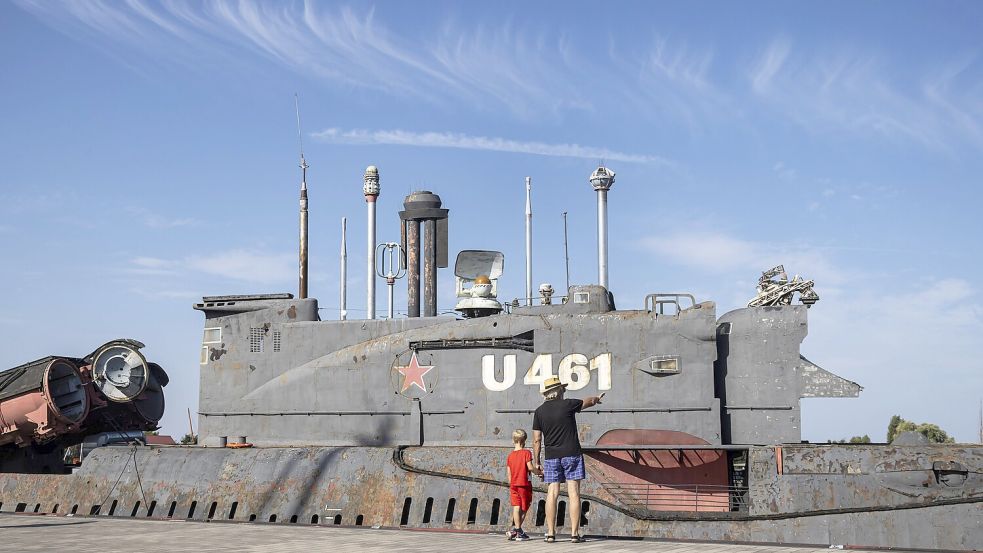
658	491
658	302
679	497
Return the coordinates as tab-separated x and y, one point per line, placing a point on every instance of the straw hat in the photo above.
550	384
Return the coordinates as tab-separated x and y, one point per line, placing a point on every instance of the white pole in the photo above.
602	238
528	240
343	314
370	299
371	189
391	285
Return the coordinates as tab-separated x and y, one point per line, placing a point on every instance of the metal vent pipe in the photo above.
601	180
371	190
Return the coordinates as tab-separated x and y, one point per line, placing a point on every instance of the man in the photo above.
555	423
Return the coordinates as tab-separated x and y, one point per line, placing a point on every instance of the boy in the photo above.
518	466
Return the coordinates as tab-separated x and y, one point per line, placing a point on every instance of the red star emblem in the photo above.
413	374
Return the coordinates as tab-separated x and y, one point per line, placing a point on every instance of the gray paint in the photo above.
353	481
324	403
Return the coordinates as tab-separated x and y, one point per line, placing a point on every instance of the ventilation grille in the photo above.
276	341
256	336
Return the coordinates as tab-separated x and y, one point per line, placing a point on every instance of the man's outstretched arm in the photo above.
591	401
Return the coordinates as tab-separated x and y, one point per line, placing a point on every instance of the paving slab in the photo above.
26	533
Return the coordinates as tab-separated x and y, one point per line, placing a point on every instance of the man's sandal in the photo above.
577	539
549	539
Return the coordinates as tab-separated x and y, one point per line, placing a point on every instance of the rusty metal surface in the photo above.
430	269
829	477
412	247
363	485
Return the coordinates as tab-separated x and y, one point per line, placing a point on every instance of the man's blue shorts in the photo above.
563	469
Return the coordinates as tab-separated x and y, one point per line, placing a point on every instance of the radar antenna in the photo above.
302	285
774	288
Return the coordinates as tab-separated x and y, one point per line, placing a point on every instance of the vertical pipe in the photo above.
602	237
430	268
413	268
302	284
391	284
371	190
528	240
370	275
343	312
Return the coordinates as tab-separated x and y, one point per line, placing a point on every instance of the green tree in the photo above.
865	439
189	439
929	430
935	434
892	428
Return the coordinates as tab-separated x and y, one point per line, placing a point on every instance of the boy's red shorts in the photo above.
521	496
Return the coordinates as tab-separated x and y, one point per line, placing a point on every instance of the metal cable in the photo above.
687	516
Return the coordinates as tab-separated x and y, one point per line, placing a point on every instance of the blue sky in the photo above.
149	152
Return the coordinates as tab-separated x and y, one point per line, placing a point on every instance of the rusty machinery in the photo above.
64	398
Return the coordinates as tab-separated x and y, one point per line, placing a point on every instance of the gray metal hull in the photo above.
825	494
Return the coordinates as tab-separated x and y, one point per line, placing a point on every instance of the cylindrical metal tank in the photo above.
41	400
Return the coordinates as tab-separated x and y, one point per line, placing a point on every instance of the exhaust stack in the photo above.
423	206
602	179
371	189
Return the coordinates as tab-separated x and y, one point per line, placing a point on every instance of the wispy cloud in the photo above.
517	70
244	265
157	221
721	253
768	65
855	92
536	72
466	142
671	81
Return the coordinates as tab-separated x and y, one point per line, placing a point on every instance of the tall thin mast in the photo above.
343	311
566	251
528	240
302	285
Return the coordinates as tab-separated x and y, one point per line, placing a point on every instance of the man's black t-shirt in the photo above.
557	420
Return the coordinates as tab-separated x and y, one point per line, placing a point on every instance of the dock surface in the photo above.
106	535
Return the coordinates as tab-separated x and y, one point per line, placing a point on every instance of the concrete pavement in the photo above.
24	533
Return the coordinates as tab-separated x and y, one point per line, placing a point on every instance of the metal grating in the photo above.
276	341
256	336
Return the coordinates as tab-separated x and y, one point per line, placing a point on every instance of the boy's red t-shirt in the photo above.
520	470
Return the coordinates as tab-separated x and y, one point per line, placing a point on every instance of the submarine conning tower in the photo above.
423	207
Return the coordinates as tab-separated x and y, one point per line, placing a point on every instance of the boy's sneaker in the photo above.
521	535
511	535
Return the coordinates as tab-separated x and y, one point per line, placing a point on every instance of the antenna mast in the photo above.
528	240
343	312
302	285
566	250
